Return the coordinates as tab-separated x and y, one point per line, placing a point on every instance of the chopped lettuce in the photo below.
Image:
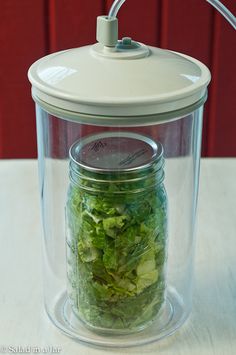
116	255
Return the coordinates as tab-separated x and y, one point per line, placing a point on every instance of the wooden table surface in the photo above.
211	329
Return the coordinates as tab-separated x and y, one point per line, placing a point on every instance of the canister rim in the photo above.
119	120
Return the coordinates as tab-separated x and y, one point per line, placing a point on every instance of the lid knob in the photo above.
107	31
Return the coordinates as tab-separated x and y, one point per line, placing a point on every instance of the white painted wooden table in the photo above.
23	322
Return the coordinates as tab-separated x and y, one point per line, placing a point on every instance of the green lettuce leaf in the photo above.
116	258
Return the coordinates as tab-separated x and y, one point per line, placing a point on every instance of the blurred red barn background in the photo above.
31	29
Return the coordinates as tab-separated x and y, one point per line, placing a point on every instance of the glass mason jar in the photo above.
116	231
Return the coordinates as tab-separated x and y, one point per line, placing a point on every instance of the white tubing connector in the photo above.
107	31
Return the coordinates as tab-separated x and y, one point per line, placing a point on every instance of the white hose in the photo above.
216	3
115	8
224	11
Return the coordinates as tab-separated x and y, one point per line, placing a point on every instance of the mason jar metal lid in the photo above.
115	152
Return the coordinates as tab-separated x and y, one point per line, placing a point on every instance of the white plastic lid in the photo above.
130	79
